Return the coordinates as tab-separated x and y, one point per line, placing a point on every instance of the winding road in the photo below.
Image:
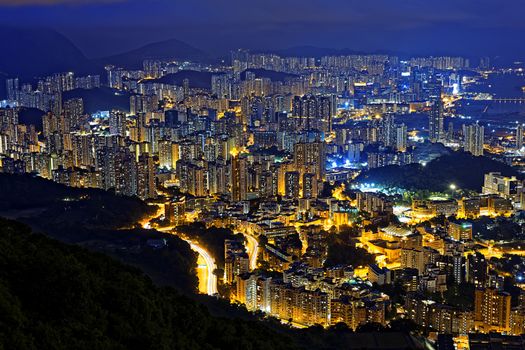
209	286
252	246
209	265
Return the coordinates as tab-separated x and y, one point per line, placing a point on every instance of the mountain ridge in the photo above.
166	49
36	52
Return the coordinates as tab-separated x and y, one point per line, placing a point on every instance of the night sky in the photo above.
465	27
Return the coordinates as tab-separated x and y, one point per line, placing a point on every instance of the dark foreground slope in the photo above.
58	296
55	296
100	221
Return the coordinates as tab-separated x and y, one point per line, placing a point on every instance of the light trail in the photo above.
211	284
209	262
252	245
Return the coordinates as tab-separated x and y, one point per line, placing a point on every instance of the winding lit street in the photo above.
206	264
252	246
209	266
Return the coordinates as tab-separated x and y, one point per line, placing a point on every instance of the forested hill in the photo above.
56	296
100	221
459	168
67	207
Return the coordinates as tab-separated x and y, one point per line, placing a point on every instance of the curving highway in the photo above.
252	246
208	264
211	284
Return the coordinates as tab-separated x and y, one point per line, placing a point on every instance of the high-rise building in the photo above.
238	173
246	290
310	157
74	111
186	87
460	231
310	188
504	186
114	76
146	177
413	258
401	138
83	153
477	270
314	112
519	137
117	123
13	89
221	85
236	260
168	154
192	178
387	130
435	121
125	168
474	136
492	310
291	180
152	68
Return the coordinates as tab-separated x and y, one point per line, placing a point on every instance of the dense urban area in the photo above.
351	192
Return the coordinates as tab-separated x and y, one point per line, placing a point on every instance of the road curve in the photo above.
210	266
211	284
252	246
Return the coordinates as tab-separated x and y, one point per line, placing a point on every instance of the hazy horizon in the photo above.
464	27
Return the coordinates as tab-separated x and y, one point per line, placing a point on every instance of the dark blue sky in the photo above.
101	27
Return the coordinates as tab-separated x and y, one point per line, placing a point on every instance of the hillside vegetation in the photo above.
462	169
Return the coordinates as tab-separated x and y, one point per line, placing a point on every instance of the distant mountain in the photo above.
312	51
197	79
101	99
27	53
317	52
270	74
35	52
31	116
164	49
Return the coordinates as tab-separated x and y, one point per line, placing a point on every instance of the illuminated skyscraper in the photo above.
310	157
492	310
168	154
477	269
238	174
83	154
401	138
473	139
13	89
435	122
74	110
117	123
146	177
291	180
310	187
519	137
387	130
125	172
186	87
314	112
460	231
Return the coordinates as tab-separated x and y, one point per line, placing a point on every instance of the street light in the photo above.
452	187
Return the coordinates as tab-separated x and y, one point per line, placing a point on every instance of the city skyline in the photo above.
241	194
